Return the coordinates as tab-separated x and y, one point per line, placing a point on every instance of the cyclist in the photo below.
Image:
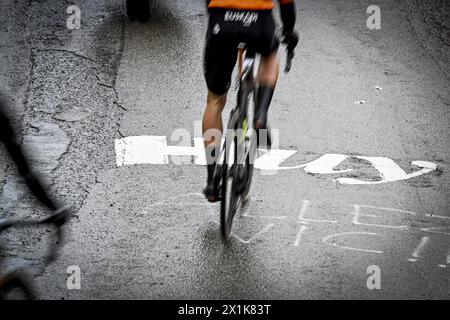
232	22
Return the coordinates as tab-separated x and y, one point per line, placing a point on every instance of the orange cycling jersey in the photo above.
246	4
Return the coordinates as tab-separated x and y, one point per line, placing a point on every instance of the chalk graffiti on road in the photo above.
330	240
447	262
420	247
154	150
367	226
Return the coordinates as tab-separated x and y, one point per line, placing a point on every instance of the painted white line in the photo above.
447	262
303	209
181	204
138	150
403	211
305	205
271	160
266	217
436	216
327	241
357	213
299	235
389	171
436	230
385	208
416	253
326	164
267	228
141	150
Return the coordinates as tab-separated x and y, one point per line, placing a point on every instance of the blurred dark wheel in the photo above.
138	10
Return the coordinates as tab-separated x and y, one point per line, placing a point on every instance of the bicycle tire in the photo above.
229	203
248	183
251	155
138	10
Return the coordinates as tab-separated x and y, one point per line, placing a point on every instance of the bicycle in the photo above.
234	171
16	280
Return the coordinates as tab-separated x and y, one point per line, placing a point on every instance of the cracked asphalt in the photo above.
145	232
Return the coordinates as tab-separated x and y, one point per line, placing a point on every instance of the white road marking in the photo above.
138	150
447	262
299	235
326	240
436	230
404	211
181	204
271	160
326	164
390	171
303	209
266	217
247	215
329	240
267	228
416	253
357	213
141	150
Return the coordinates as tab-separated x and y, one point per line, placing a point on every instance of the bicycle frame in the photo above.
17	280
240	123
237	168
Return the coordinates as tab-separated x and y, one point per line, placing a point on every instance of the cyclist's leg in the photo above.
219	60
212	117
268	70
212	135
267	80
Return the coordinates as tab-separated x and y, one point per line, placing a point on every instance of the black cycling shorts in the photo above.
226	30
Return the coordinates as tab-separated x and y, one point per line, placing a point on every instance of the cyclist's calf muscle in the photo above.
212	118
268	70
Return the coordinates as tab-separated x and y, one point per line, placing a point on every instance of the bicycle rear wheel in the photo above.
249	169
230	195
251	141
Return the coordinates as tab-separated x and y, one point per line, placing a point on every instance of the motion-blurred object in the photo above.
8	137
138	10
16	281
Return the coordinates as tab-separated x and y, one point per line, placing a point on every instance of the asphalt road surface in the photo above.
371	106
